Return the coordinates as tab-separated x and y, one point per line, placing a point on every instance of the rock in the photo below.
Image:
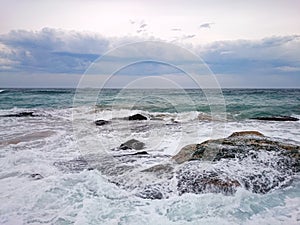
132	144
101	122
186	153
132	154
36	176
238	144
248	159
197	183
137	117
140	153
21	114
246	133
150	193
166	168
276	118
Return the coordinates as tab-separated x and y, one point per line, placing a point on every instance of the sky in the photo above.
52	43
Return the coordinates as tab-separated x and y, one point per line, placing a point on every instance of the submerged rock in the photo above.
36	176
137	117
150	193
276	118
74	165
21	114
132	144
101	122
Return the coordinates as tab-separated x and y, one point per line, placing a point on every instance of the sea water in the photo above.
33	145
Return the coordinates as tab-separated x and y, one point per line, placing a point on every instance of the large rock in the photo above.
276	118
244	159
237	145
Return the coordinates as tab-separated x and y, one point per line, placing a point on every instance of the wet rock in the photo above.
137	117
21	114
276	118
247	159
132	144
36	176
101	122
162	168
150	193
206	182
237	145
161	171
246	133
140	153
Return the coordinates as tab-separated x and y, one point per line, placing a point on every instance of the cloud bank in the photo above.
55	51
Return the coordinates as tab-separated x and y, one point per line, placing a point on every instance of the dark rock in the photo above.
132	154
21	114
140	153
137	117
132	144
101	122
36	176
150	193
276	118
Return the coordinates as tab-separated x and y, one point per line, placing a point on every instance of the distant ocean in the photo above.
41	128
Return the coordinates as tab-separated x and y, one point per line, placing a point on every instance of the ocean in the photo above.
58	167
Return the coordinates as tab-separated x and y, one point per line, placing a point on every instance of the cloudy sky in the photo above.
51	43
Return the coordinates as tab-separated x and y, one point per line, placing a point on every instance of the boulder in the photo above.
137	117
132	144
238	144
247	159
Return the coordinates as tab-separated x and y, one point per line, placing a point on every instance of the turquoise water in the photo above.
240	103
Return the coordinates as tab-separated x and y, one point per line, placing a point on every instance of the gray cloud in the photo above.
52	51
245	57
206	25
